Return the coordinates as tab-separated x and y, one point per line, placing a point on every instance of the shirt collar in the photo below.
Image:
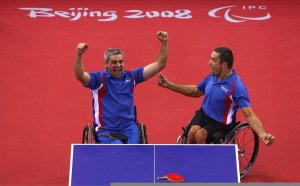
108	75
227	79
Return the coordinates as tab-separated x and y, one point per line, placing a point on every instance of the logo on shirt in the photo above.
224	89
127	80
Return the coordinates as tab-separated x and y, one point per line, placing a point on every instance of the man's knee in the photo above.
194	129
201	135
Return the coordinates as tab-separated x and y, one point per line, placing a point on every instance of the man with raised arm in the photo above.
112	90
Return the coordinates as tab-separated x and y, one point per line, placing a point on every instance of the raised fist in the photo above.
82	48
162	36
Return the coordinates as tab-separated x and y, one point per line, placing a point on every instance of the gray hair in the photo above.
112	51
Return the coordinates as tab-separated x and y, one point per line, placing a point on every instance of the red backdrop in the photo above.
43	109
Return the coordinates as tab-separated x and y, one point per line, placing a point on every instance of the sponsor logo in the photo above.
226	13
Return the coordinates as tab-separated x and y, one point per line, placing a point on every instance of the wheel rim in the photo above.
248	143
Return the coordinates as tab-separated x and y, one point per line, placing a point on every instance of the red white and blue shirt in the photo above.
223	98
113	98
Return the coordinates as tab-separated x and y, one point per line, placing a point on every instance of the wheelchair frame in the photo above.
243	136
89	134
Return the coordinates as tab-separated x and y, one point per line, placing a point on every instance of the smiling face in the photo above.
115	65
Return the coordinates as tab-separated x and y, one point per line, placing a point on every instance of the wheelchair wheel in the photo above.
183	137
248	144
87	136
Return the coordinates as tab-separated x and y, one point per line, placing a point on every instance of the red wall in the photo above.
43	108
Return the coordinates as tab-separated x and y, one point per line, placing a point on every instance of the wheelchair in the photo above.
240	134
89	134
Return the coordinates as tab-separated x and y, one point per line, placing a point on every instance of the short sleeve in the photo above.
201	86
240	96
138	75
94	80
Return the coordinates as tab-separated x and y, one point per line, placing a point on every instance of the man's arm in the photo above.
161	60
187	90
80	74
257	126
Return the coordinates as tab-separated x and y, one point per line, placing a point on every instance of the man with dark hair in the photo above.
112	90
225	56
224	93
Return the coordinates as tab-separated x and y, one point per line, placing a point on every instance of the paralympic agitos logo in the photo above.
226	12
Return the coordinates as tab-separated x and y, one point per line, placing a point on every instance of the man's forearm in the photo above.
256	125
80	74
163	54
78	67
187	90
160	62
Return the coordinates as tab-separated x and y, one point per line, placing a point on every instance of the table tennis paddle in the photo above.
172	177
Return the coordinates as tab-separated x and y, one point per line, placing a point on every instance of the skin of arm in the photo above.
257	126
161	59
79	72
187	90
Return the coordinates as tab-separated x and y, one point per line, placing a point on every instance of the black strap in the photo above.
116	136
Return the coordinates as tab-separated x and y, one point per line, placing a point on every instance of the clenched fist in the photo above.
268	139
162	36
82	48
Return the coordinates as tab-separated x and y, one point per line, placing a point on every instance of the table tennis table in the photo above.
103	164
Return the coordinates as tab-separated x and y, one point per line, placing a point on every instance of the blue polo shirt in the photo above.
223	98
113	104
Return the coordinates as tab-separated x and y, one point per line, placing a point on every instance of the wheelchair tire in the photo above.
183	137
142	134
248	145
87	136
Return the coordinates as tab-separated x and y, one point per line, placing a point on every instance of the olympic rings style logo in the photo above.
238	19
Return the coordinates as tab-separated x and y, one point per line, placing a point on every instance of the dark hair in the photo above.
225	55
112	51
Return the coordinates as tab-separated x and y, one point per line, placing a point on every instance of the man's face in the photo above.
115	65
215	63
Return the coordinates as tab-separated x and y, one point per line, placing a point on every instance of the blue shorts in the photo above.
131	132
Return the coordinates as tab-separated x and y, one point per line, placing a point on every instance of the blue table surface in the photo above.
105	164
